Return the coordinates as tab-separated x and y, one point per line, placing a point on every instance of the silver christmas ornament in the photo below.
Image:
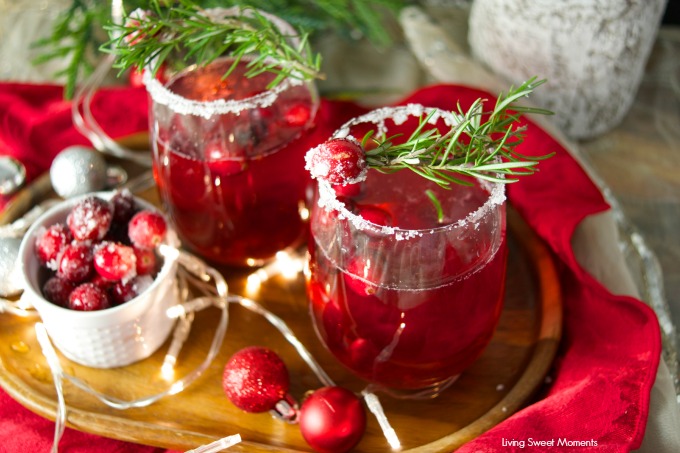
12	175
10	278
76	171
10	240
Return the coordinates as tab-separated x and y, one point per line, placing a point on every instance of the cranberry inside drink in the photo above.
411	308
233	183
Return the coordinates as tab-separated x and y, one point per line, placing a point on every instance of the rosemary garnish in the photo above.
77	33
437	205
484	150
194	35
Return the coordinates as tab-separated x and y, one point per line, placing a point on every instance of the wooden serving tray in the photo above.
509	374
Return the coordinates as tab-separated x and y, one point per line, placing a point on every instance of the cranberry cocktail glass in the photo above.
406	278
226	158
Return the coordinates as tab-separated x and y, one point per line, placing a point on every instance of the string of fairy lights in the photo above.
209	289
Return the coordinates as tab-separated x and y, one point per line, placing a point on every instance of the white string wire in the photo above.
57	375
88	125
85	121
215	294
16	308
287	334
218	445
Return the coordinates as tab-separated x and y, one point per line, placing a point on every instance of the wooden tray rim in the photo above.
545	349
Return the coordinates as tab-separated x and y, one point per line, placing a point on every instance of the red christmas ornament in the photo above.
255	379
332	420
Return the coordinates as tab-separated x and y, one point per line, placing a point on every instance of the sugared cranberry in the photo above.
136	75
101	282
88	297
115	261
75	262
122	292
135	20
147	229
89	220
123	205
338	161
57	290
51	242
297	115
146	261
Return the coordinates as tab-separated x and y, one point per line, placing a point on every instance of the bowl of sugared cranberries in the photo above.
94	271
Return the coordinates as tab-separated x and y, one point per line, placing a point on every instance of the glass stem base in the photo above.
425	393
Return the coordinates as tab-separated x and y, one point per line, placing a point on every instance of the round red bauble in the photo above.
332	420
255	379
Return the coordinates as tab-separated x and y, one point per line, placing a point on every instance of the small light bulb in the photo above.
253	284
168	369
303	211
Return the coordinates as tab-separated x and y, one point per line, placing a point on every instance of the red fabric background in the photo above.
611	347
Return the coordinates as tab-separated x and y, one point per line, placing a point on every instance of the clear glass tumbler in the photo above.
226	158
402	296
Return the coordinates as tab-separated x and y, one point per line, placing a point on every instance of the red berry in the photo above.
75	263
348	190
147	229
115	261
88	297
122	292
338	161
255	379
146	261
123	205
50	243
136	75
57	290
374	214
221	162
263	114
358	276
297	115
135	20
89	220
101	282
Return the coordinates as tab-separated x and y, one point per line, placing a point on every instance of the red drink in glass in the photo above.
233	182
402	298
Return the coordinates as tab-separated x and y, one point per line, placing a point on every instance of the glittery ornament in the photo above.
10	277
332	420
78	170
12	175
255	379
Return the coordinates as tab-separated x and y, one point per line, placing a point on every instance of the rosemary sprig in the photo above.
437	205
73	39
78	32
485	150
191	34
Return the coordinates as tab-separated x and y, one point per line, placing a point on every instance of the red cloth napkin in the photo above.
611	348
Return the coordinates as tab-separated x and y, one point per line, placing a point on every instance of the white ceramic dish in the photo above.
109	338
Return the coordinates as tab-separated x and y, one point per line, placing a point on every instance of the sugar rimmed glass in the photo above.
403	298
226	160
